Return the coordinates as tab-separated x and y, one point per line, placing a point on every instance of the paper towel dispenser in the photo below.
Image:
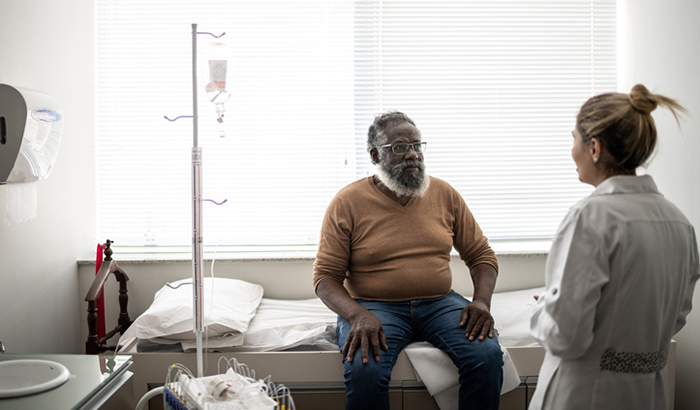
31	125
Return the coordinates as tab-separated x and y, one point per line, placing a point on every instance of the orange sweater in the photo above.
384	251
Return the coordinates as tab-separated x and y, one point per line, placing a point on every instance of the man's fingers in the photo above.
471	326
349	349
485	329
477	326
375	347
465	316
344	352
364	349
366	333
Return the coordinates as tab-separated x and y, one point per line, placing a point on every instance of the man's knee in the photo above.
492	353
486	358
366	374
367	386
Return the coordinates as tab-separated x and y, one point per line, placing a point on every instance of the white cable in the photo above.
211	304
148	396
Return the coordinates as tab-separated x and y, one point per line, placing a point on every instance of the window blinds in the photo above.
494	87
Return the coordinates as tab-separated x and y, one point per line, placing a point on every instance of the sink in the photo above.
23	377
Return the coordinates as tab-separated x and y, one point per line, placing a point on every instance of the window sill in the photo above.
146	254
539	247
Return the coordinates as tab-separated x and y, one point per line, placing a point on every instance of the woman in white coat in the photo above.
621	270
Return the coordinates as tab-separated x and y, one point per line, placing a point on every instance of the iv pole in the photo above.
197	287
196	213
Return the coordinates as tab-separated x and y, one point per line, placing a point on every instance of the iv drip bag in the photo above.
215	73
217	76
216	87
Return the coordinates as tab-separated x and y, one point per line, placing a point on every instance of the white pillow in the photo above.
228	308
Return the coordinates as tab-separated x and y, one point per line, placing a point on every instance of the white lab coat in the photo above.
619	284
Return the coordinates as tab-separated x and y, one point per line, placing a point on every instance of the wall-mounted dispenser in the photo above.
31	125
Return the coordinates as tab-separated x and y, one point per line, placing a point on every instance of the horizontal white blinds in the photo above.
494	87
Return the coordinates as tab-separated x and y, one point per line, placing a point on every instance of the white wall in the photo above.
662	53
48	46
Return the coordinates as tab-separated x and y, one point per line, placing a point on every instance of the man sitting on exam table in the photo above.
383	266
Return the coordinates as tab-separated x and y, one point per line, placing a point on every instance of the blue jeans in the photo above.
433	320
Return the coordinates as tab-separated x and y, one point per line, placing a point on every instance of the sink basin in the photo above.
28	376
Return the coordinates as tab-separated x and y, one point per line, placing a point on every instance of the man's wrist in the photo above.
483	300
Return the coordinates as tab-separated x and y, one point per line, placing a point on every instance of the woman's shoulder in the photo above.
596	208
609	210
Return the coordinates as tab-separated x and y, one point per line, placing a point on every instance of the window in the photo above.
493	86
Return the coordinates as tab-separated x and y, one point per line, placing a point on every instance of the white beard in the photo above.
400	189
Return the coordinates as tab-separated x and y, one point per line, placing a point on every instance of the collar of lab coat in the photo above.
626	184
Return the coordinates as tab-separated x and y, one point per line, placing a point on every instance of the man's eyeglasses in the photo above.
399	149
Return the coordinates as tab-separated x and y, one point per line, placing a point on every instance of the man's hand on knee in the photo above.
478	321
367	332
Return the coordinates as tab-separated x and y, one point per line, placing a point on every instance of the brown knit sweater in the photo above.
384	251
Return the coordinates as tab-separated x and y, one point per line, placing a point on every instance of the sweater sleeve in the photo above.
469	241
333	254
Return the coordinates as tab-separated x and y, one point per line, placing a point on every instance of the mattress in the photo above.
284	325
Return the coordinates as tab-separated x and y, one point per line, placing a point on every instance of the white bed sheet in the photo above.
285	324
277	325
511	312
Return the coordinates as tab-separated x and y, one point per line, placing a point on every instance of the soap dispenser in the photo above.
31	126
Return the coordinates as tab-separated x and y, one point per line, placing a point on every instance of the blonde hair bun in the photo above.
624	126
642	100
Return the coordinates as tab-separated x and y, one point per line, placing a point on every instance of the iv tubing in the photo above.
196	212
143	402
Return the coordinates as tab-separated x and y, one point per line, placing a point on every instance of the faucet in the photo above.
2	347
